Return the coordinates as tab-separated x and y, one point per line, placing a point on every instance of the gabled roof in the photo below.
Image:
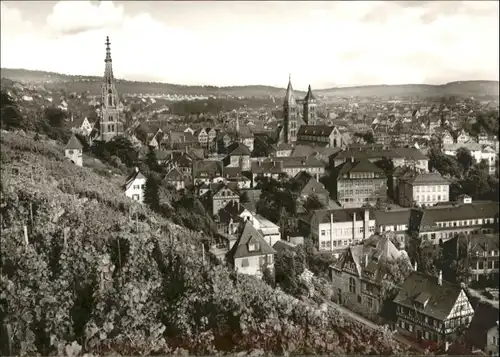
440	298
249	235
289	97
362	165
307	184
136	174
174	175
238	149
309	96
393	217
73	143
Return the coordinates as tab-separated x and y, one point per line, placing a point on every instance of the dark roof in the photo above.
339	215
74	143
371	256
315	130
372	152
362	165
429	216
309	96
440	298
136	174
249	235
393	217
238	149
307	184
425	178
485	317
207	167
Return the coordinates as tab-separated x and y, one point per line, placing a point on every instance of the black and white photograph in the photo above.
249	178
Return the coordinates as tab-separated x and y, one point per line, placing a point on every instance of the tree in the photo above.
151	193
10	116
289	265
465	159
244	197
313	203
152	160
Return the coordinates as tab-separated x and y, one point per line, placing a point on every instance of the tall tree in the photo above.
465	159
151	193
313	203
152	160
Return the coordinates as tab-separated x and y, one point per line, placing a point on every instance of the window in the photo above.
352	285
359	299
252	247
70	152
322	232
244	263
370	302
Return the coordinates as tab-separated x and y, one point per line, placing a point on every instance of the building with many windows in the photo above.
422	189
360	182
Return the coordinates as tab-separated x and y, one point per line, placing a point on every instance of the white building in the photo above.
428	188
135	185
335	230
74	151
269	231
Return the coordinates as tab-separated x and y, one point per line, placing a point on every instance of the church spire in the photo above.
108	70
237	126
289	97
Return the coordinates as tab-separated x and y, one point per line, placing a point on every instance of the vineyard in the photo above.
84	270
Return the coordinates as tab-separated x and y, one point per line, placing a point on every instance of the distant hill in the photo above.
75	83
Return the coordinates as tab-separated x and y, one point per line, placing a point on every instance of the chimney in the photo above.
440	278
331	230
415	267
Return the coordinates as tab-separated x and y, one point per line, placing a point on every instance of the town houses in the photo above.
365	191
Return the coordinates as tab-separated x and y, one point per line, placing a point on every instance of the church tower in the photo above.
290	115
111	125
310	105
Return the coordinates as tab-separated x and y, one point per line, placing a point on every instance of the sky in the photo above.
324	44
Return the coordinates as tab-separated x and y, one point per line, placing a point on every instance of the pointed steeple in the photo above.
289	97
108	69
309	96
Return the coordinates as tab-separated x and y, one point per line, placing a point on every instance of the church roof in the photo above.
74	143
289	97
309	96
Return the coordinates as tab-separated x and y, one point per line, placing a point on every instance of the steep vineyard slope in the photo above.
85	270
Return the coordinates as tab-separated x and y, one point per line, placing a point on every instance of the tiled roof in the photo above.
393	217
307	184
136	174
73	143
315	130
362	165
372	152
371	256
238	149
249	235
429	216
440	298
425	178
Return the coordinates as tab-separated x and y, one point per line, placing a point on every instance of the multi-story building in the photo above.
422	189
359	183
410	157
482	252
432	309
218	196
202	137
463	138
207	171
320	135
482	334
310	105
335	230
175	179
394	220
357	275
443	222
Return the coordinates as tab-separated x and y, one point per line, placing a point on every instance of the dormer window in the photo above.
253	247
